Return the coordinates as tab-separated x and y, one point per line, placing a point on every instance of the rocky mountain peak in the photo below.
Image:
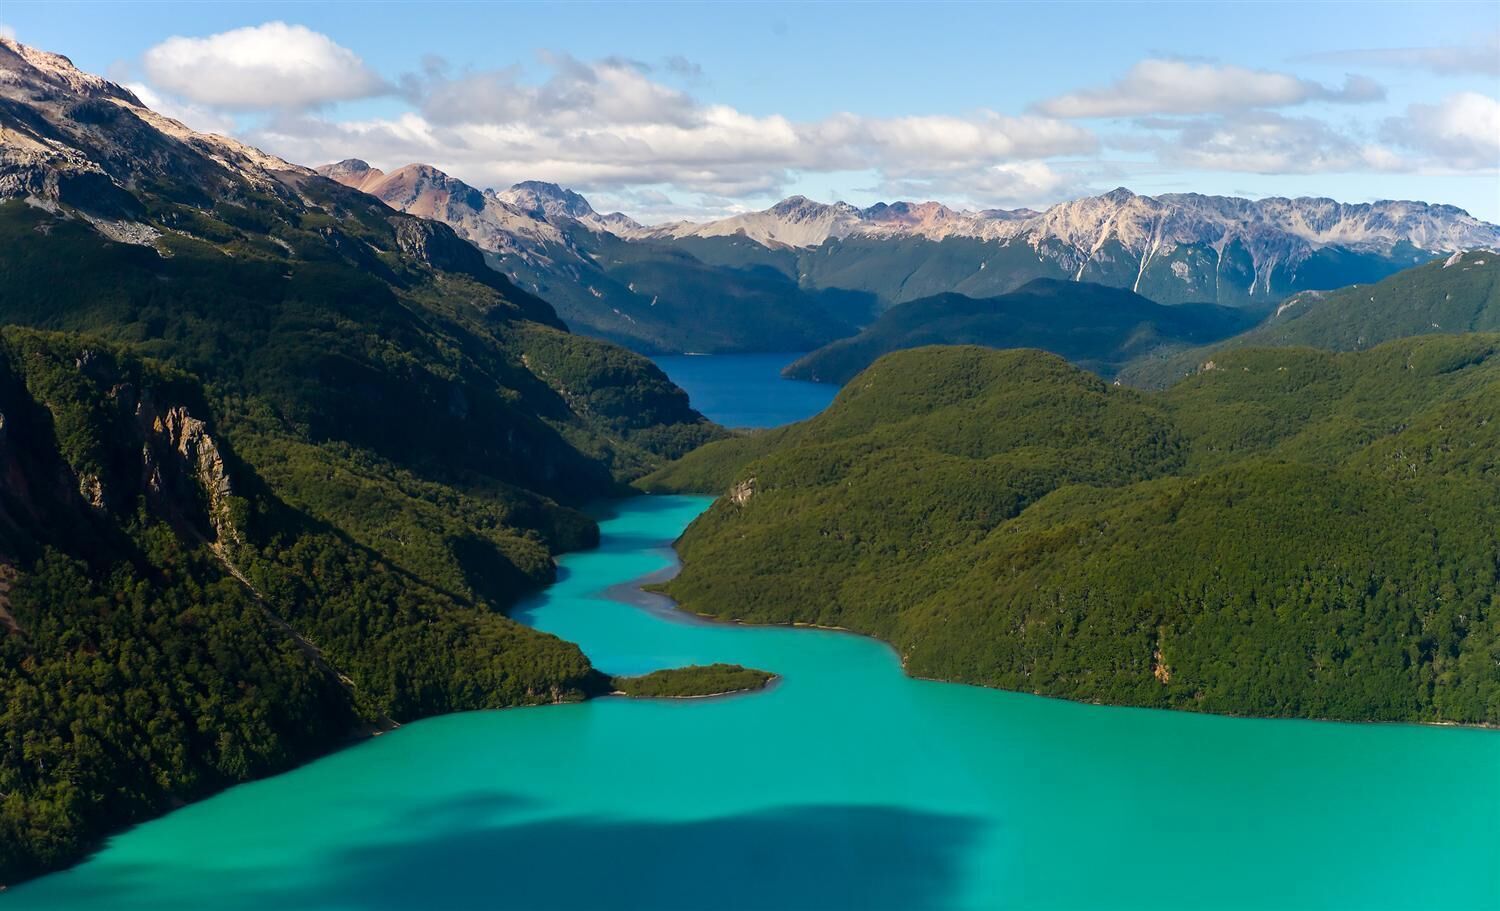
348	166
22	64
547	200
82	140
352	172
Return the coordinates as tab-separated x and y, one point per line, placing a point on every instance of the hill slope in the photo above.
1293	533
1458	294
282	458
1094	326
604	278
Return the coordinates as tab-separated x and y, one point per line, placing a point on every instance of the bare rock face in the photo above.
435	244
189	438
183	470
741	493
69	136
92	490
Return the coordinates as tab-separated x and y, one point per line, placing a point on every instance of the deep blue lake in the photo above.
746	390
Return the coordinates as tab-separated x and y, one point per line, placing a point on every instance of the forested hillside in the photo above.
1460	293
1288	533
1094	326
278	464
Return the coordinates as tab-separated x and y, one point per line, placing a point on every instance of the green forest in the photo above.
1286	533
1457	293
271	484
1097	327
693	681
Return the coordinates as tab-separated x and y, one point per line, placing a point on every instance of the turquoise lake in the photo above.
846	785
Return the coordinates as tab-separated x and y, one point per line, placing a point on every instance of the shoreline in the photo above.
771	683
668	573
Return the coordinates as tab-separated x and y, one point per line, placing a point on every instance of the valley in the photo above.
862	787
842	555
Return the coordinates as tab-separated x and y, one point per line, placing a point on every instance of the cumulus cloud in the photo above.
1461	132
607	125
1450	60
268	66
1162	86
1262	142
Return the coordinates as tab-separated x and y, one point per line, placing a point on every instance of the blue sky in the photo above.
685	110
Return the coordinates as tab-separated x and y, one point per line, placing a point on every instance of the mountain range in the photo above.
279	446
818	271
607	277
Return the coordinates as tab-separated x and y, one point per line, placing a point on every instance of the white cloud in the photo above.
1450	60
7	31
1158	86
1263	142
268	66
606	125
1461	132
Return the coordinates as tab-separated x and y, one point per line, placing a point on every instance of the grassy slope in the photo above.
1295	533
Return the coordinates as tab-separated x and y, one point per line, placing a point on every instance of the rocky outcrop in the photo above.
741	493
186	440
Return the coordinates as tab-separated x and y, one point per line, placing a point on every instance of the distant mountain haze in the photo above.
1172	249
1094	326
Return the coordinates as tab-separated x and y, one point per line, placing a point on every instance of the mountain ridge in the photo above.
1174	248
1097	327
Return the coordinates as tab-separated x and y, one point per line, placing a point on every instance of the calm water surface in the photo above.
746	390
846	785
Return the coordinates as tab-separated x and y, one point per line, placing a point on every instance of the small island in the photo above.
692	682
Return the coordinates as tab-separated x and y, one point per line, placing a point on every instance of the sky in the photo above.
683	110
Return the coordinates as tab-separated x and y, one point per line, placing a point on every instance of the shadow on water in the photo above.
473	853
639	504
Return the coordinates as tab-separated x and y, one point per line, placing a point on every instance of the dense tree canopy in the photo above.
269	482
1288	533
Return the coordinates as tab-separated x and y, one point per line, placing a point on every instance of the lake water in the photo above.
746	390
846	785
